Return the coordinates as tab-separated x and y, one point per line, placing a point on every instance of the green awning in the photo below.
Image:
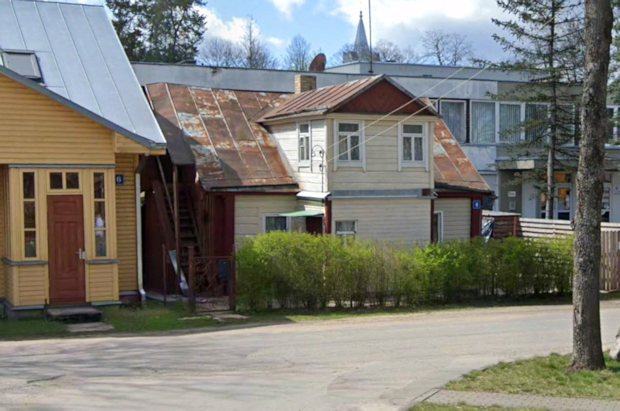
303	213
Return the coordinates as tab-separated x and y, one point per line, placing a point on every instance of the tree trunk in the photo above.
587	346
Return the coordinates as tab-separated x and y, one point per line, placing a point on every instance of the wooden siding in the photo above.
405	221
37	130
456	217
381	171
3	227
308	176
102	283
126	222
32	284
251	209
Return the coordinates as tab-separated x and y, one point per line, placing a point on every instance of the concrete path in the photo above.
487	399
372	363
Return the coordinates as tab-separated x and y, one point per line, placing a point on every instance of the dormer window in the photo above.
23	62
349	144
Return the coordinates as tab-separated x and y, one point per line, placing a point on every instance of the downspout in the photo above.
138	185
139	237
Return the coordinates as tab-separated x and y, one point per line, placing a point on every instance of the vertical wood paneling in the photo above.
126	222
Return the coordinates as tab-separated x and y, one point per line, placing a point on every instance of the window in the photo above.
30	218
276	223
412	144
453	113
349	142
482	122
535	121
22	62
303	132
346	228
64	180
509	123
101	228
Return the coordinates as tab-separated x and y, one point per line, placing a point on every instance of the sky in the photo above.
329	24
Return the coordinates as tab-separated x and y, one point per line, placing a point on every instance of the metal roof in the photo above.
451	166
330	98
82	60
227	147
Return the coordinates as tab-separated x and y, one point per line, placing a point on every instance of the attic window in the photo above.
22	62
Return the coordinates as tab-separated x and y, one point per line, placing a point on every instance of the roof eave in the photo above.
150	144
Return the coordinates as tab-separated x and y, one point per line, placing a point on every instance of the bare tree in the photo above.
587	346
298	54
390	52
255	54
219	52
446	49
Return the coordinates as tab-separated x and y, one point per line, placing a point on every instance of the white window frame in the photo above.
345	234
547	105
267	215
350	163
307	135
440	227
401	136
464	125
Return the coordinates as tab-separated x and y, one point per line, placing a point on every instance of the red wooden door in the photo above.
65	227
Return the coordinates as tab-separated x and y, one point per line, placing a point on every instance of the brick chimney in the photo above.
304	82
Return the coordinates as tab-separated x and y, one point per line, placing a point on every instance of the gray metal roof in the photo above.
81	59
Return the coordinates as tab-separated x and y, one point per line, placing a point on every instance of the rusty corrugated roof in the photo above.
451	166
329	99
227	147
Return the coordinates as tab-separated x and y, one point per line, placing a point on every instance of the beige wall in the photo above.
456	217
405	221
251	209
381	170
308	176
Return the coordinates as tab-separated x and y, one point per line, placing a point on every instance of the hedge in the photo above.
299	269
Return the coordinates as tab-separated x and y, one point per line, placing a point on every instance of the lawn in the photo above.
544	376
433	407
30	329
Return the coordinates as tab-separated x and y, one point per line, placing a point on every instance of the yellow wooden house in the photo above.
74	133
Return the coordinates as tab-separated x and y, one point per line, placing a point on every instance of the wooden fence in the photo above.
512	224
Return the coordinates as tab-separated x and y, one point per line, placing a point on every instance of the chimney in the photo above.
304	82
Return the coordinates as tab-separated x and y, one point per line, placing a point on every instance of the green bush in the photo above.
303	270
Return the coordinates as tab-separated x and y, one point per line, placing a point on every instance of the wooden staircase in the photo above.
188	230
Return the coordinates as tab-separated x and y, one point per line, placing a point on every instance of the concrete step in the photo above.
79	314
89	327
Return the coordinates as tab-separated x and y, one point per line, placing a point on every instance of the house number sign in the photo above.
120	179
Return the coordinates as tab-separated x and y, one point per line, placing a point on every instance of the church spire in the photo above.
361	42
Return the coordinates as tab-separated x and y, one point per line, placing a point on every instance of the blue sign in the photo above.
476	205
120	180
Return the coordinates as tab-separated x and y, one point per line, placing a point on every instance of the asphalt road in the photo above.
378	363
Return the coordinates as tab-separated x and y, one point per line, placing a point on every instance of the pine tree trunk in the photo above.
587	346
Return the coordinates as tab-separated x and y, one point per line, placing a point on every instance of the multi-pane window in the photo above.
101	228
482	122
30	220
536	123
60	180
304	143
346	228
349	142
453	113
509	123
276	223
412	144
